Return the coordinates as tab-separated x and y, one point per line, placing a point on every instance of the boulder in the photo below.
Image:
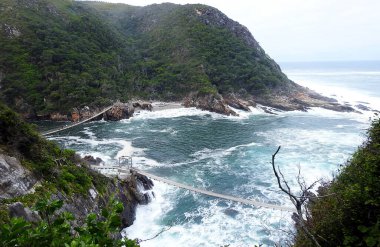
90	160
119	111
146	182
143	106
17	209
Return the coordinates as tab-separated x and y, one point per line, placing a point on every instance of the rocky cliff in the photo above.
16	181
32	168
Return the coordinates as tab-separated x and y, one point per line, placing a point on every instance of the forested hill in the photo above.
60	54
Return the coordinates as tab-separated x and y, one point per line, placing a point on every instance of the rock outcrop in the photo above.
17	209
119	111
218	103
301	99
142	106
128	191
209	102
90	160
238	103
15	180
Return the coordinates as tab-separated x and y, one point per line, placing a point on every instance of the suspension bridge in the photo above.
53	131
122	172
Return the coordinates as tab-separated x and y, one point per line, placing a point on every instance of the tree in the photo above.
298	201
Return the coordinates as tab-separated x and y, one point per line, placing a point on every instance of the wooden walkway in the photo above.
205	192
49	132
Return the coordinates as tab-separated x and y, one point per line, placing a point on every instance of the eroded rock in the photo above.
17	209
90	160
209	102
15	180
237	103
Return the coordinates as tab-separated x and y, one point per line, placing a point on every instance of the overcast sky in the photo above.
304	30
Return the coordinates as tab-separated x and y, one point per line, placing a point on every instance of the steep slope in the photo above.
57	55
195	47
33	169
347	213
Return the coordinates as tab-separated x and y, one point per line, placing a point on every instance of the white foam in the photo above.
208	224
191	111
169	113
324	149
342	94
88	132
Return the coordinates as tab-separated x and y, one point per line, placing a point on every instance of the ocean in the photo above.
231	155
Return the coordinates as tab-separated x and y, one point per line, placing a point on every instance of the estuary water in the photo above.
231	155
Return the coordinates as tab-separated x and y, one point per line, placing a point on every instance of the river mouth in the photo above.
227	155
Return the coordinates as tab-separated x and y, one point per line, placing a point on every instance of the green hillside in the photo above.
59	54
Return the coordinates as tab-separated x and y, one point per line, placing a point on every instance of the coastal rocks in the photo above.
237	103
79	114
146	182
143	106
301	100
15	180
209	102
91	161
119	111
139	186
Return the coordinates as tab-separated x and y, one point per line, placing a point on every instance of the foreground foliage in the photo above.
349	214
57	229
59	171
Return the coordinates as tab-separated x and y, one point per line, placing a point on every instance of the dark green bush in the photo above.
58	230
349	215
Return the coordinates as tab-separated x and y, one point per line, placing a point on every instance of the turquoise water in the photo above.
229	155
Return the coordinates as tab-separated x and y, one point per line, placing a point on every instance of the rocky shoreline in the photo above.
300	99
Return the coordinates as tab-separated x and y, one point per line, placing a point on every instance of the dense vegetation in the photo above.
59	54
349	214
59	171
57	230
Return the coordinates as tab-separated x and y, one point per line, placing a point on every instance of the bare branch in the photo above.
297	201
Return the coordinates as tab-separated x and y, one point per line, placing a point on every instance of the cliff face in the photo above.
17	181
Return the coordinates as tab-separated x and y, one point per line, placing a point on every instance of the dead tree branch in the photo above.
298	201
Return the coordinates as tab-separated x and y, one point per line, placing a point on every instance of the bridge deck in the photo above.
210	193
76	124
